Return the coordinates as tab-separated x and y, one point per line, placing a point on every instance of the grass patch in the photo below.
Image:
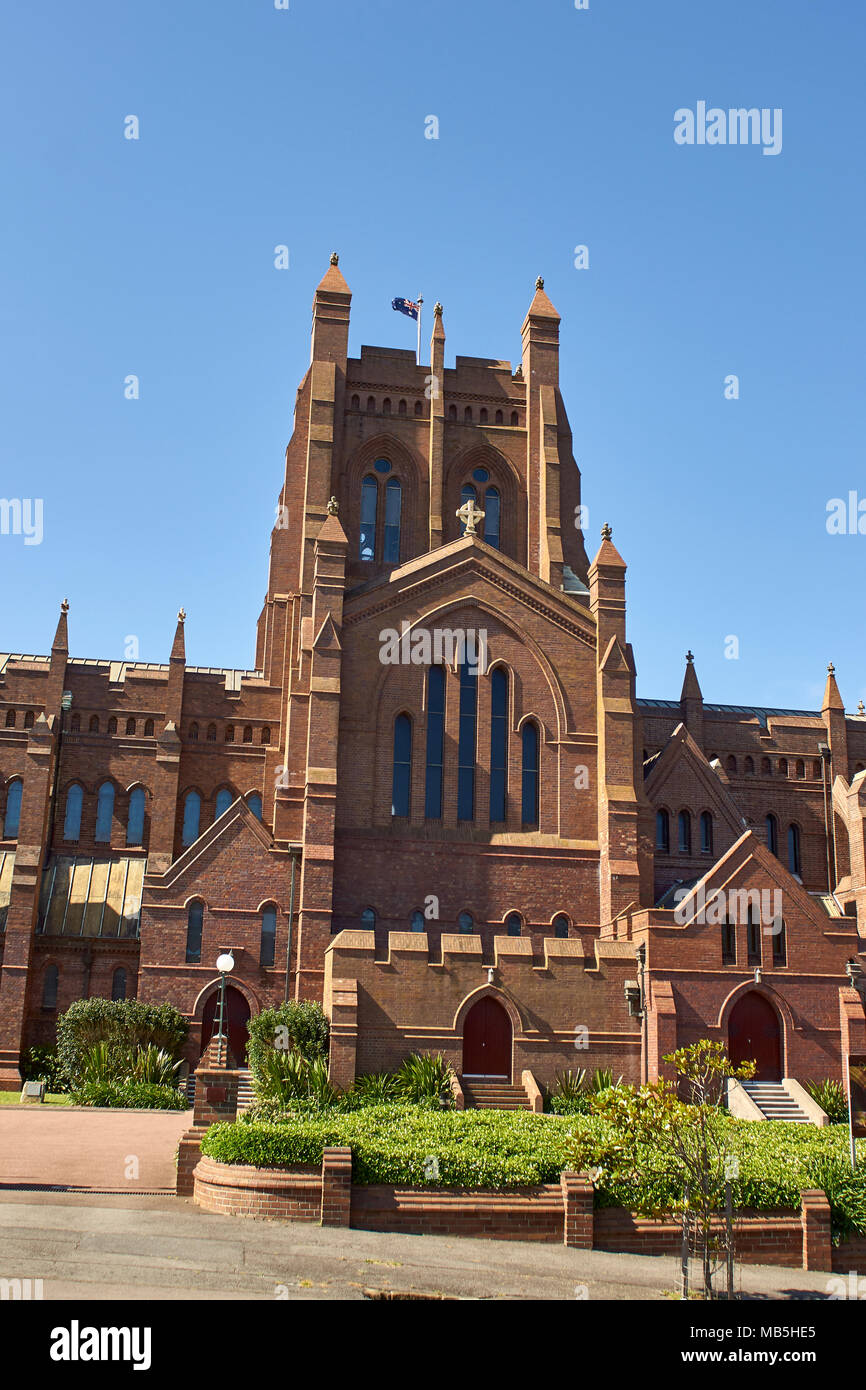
14	1098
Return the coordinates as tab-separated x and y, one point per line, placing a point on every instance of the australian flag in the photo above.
406	306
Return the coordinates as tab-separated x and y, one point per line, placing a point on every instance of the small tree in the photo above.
300	1026
694	1135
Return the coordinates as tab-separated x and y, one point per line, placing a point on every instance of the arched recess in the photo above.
504	477
500	996
411	470
772	997
212	986
487	1038
755	1033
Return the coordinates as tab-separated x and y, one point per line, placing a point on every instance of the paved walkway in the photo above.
90	1150
165	1248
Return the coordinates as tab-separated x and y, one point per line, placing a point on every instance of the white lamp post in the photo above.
225	965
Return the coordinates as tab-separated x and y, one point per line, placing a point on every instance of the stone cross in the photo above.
469	514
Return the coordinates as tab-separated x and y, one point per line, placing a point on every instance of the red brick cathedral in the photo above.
436	804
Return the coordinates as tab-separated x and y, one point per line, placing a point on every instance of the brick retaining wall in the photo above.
560	1213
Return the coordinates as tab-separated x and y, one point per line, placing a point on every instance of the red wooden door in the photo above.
487	1040
754	1035
237	1015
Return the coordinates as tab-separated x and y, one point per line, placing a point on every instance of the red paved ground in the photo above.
94	1150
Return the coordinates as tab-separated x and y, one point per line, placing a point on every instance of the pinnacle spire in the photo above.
832	698
61	636
178	646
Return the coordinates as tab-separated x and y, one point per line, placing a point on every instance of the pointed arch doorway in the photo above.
755	1034
487	1041
237	1017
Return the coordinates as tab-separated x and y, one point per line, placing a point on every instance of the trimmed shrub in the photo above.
129	1095
292	1027
125	1025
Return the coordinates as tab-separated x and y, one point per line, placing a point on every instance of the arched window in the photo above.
749	766
663	832
13	810
766	767
229	735
783	767
498	743
402	776
112	725
780	943
452	412
255	804
731	763
28	719
93	726
194	920
465	922
10	719
498	418
50	981
211	733
193	732
401	408
794	849
118	983
818	769
393	505
729	943
435	742
772	834
386	406
224	799
753	939
371	403
369	505
706	832
104	813
265	735
467	415
416	921
560	926
135	817
513	924
491	517
130	726
356	402
468	718
191	816
515	418
148	728
75	723
801	768
368	919
72	818
268	944
419	407
529	780
483	416
684	833
248	733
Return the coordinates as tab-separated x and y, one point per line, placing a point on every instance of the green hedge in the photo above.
133	1095
126	1024
498	1148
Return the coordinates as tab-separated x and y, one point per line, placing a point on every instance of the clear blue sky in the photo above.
306	127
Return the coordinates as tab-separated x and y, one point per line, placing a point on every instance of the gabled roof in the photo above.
235	819
681	747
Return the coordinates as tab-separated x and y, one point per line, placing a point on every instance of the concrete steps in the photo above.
773	1101
494	1095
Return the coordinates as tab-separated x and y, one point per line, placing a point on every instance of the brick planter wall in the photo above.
553	1213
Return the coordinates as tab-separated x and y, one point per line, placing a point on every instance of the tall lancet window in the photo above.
369	501
435	742
491	517
393	504
467	494
529	813
466	741
402	781
498	743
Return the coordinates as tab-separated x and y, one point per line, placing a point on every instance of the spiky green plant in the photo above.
425	1078
830	1095
603	1081
376	1088
153	1066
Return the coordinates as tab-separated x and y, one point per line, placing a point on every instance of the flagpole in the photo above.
418	354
